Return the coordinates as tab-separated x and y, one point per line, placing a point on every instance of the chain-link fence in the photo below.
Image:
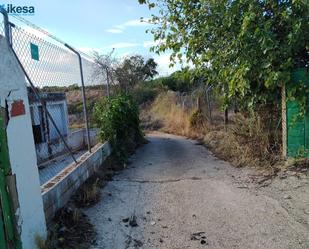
205	100
1	26
60	82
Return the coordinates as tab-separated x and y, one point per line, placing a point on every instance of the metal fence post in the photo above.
83	95
283	122
42	102
208	99
6	25
107	81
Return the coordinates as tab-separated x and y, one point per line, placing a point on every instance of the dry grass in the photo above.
174	118
227	146
42	243
245	142
70	229
88	194
199	123
75	96
73	229
168	116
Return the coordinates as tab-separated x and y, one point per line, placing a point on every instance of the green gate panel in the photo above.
297	124
296	129
2	232
7	230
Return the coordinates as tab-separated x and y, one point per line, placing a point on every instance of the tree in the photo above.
183	80
149	69
104	68
248	47
133	70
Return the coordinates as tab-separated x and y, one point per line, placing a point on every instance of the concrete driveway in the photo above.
184	197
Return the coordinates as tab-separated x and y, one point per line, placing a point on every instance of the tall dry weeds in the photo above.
172	117
247	141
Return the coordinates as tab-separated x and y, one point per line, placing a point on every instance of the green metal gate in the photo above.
297	121
8	235
2	232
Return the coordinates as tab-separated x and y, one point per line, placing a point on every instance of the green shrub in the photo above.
184	80
145	92
77	107
118	120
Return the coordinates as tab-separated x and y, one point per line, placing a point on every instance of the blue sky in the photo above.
98	25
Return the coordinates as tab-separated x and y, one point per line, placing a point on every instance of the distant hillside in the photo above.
75	96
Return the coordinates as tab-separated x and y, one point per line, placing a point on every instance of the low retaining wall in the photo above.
76	141
57	192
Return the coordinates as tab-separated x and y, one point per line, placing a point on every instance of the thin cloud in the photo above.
117	29
90	50
114	30
124	45
148	44
145	44
36	32
119	26
137	22
164	62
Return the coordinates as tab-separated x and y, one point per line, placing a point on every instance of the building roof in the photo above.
46	96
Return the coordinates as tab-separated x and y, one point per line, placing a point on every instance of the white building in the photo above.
44	132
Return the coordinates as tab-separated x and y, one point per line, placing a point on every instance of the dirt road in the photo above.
184	197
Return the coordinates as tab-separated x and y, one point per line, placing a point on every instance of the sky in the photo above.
99	25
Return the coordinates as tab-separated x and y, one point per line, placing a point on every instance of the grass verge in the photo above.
246	141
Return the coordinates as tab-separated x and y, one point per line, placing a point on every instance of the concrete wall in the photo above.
58	110
76	141
93	133
29	212
57	192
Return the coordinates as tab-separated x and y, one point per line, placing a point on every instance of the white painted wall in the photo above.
76	140
58	111
31	218
58	191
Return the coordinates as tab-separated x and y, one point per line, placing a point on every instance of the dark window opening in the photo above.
38	138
